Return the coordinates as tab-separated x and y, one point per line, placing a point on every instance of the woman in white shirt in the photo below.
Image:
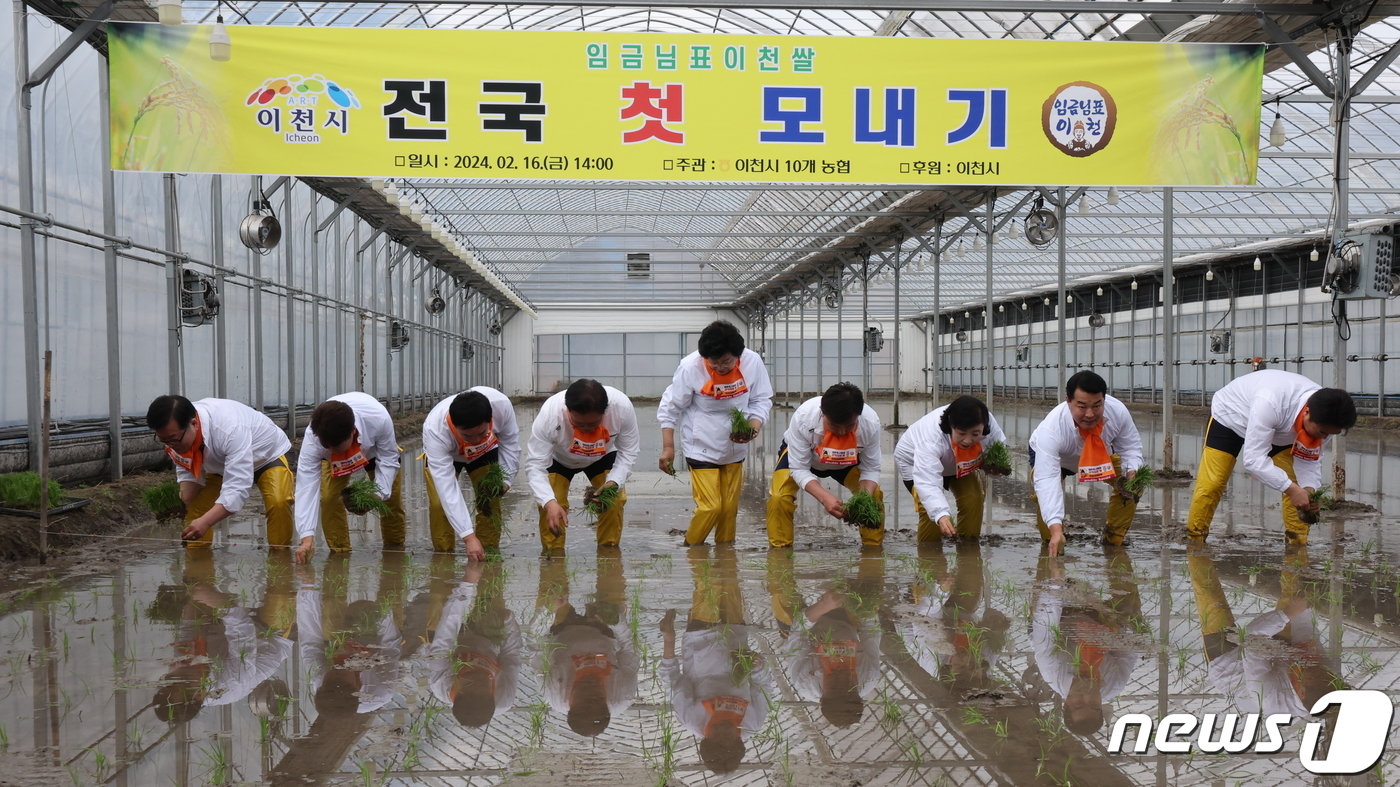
943	451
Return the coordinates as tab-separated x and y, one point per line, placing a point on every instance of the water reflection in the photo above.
951	629
475	651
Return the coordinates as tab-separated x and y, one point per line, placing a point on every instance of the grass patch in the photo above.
603	499
1143	478
864	510
22	490
998	457
362	497
739	427
163	499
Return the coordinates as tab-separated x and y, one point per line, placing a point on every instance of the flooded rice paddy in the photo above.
968	663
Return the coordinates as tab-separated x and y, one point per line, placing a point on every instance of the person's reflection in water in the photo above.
222	652
832	649
1085	648
949	630
351	651
473	659
719	685
1279	665
589	660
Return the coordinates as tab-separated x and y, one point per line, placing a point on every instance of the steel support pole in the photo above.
1341	111
897	331
802	354
937	330
314	263
987	311
1060	304
111	284
216	203
821	377
172	288
1168	330
865	324
290	340
28	252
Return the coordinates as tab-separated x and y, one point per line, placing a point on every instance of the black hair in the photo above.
1086	381
965	412
332	422
469	410
1332	407
720	338
163	408
842	403
586	397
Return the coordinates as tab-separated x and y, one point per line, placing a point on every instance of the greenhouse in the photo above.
964	392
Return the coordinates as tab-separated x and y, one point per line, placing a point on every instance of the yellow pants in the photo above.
782	503
1217	619
609	524
716	491
277	486
970	494
335	520
486	524
716	599
1213	475
1116	523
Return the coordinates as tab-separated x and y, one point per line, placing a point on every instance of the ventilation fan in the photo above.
832	298
494	328
1023	354
260	230
398	335
435	304
199	301
874	339
468	350
1096	320
1220	343
1042	226
1359	267
960	336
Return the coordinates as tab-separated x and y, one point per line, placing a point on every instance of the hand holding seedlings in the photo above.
667	461
741	429
1132	485
1319	500
863	510
997	460
598	501
362	497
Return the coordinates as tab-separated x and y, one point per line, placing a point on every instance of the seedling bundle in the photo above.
602	500
22	490
163	499
1143	478
863	510
998	457
362	497
740	429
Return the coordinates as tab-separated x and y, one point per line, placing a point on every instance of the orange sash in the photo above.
592	665
836	450
1305	446
1095	463
1091	654
838	655
476	660
470	453
724	708
966	460
592	444
348	461
193	460
724	386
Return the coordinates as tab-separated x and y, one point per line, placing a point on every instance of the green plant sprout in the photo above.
493	482
21	490
1143	478
998	457
362	497
603	499
740	430
863	510
163	499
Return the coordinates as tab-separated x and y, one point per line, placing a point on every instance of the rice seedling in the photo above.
362	497
163	499
997	458
493	483
22	490
1143	478
740	430
863	510
602	499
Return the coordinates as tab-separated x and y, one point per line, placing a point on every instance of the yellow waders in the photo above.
716	491
335	520
277	485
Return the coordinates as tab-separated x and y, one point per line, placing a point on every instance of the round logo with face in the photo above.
1078	118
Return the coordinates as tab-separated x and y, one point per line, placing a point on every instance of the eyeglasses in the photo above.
174	441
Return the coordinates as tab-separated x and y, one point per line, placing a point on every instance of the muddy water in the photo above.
950	665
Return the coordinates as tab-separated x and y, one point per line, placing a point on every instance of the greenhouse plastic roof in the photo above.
567	242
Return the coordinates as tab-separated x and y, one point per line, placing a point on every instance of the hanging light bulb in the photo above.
220	46
1258	264
169	12
1046	301
1069	299
1113	195
977	242
1083	209
1312	255
1001	307
1099	291
951	321
1133	286
1024	306
967	314
1277	134
1210	274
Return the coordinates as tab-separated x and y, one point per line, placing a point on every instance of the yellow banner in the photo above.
325	101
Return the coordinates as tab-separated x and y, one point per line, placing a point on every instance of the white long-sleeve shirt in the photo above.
237	441
799	650
1054	650
704	671
1057	444
377	443
929	638
1262	407
1255	675
377	681
250	659
704	419
441	658
552	437
805	432
441	448
583	641
924	455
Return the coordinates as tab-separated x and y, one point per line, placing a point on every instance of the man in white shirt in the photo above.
1092	437
473	661
221	450
836	436
472	431
1278	422
709	384
347	433
943	451
588	428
